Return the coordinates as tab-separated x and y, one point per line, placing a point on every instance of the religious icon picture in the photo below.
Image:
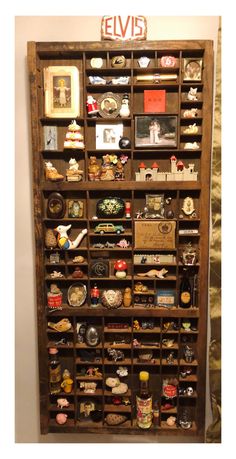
61	87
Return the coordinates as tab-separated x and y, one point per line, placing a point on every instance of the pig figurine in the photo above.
62	403
61	418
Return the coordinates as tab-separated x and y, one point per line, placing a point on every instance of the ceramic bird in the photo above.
63	240
154	273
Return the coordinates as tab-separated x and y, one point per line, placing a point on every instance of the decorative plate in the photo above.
77	294
118	62
112	299
168	61
110	207
96	62
109	105
56	206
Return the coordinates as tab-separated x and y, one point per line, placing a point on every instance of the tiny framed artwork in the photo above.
156	131
108	136
61	87
192	69
155	204
109	105
166	298
85	408
75	208
50	137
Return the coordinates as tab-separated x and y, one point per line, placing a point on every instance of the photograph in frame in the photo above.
108	136
61	88
156	131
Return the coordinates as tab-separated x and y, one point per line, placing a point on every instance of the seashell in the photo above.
121	389
113	419
112	382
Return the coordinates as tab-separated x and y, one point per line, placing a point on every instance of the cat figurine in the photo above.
192	94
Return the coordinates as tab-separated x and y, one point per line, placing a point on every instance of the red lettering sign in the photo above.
124	28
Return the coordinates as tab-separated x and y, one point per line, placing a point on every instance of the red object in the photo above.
155	166
92	105
154	100
168	61
170	390
124	28
120	265
54	301
142	166
180	165
173	158
128	209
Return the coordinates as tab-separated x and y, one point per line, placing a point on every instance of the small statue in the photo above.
154	273
63	240
123	244
107	172
61	418
119	171
78	273
192	94
51	173
190	113
125	110
62	403
191	146
74	174
94	170
191	129
127	300
92	106
74	137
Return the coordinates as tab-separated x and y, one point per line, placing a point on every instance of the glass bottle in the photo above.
54	371
144	402
185	292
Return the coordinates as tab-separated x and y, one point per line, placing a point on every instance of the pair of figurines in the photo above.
108	171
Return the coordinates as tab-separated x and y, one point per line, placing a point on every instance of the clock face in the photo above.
56	206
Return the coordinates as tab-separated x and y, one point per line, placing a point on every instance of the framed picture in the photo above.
155	204
192	69
109	105
154	235
166	298
75	208
108	136
50	137
156	131
61	87
85	408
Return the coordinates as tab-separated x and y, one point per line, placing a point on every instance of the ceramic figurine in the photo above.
171	421
51	173
154	273
61	418
62	403
127	297
62	326
122	371
74	174
120	268
74	138
92	106
192	94
136	325
56	275
88	387
67	385
107	172
94	170
123	244
50	239
189	255
125	110
97	80
66	374
78	259
119	171
120	80
63	240
191	146
192	113
95	296
191	129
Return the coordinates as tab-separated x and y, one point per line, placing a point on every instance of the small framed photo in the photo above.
108	136
61	87
75	208
85	408
109	105
155	204
192	69
166	298
156	131
50	138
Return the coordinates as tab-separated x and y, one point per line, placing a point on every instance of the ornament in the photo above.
92	106
63	240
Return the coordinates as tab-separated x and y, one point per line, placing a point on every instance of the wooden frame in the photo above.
40	56
61	86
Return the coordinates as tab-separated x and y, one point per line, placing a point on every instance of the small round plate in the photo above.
96	62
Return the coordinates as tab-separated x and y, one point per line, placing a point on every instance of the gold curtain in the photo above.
213	434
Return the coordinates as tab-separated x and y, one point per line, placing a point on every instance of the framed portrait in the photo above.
155	204
109	105
156	131
85	408
61	88
75	208
192	69
108	136
50	137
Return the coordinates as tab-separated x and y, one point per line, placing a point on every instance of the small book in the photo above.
154	100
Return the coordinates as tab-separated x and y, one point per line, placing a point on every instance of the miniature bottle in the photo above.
156	413
144	402
54	371
185	296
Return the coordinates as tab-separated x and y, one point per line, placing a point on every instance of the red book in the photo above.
154	100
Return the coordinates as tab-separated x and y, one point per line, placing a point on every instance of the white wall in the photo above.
36	28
